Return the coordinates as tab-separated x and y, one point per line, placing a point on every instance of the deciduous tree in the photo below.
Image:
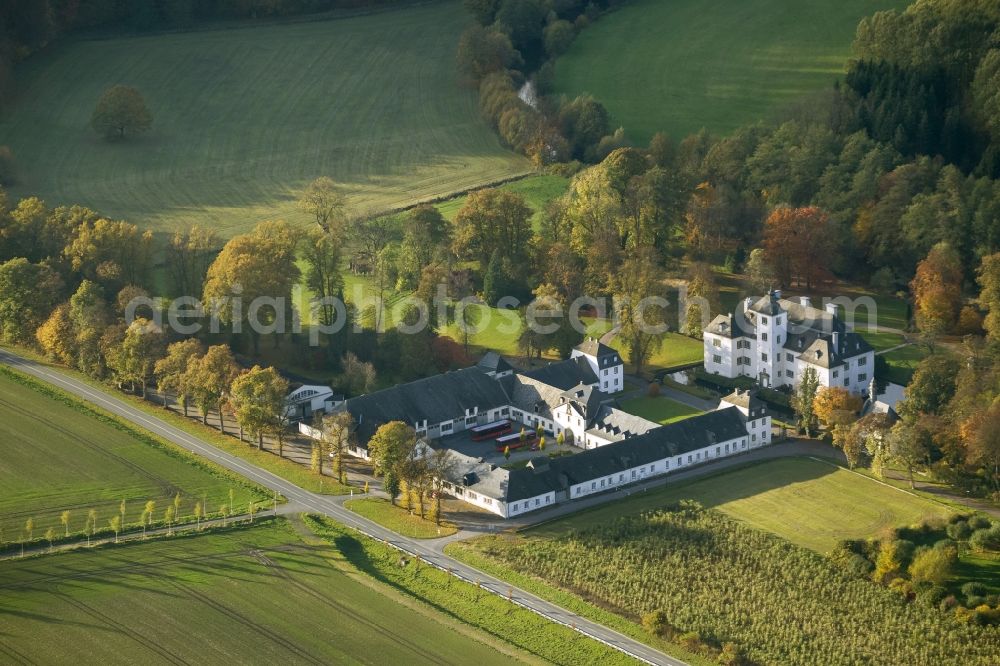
208	379
258	398
835	405
324	201
121	111
171	370
937	290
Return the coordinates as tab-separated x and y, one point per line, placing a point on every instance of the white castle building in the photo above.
773	340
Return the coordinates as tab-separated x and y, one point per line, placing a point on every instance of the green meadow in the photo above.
244	118
683	65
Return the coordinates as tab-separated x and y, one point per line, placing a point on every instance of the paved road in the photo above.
326	506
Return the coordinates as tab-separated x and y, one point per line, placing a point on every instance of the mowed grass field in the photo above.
683	65
58	455
808	502
245	118
259	595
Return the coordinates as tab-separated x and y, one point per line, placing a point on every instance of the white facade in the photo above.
773	341
605	362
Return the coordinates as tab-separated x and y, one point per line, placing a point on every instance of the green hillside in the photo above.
244	118
682	65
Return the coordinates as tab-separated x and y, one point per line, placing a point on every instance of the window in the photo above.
717	342
652	468
847	365
504	411
862	377
514	507
666	464
763	320
716	358
763	336
753	438
727	448
863	361
602	483
547	499
718	451
763	357
593	485
473	495
538	502
689	458
577	491
621	478
679	462
470	420
447	427
697	456
836	373
789	374
788	357
847	381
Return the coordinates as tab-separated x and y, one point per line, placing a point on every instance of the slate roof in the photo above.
434	399
729	326
494	362
585	399
532	396
666	441
615	425
596	348
564	375
822	353
767	305
746	399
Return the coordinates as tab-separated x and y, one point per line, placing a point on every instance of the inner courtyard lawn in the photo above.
659	409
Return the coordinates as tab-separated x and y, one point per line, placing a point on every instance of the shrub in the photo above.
933	565
656	622
653	390
979	522
933	596
985	540
959	531
973	589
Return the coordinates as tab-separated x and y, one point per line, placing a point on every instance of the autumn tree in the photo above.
702	298
89	316
321	250
760	277
803	400
258	398
641	318
325	203
121	111
989	296
258	265
835	405
56	337
189	253
338	435
937	290
208	378
910	444
390	447
111	253
482	51
440	466
28	294
982	440
134	360
494	221
171	370
798	245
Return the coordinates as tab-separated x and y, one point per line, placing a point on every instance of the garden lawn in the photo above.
809	502
882	341
659	409
492	329
674	350
59	454
683	65
902	362
398	519
257	595
244	118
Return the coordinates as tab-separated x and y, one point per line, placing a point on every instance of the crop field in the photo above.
245	118
809	502
59	455
718	577
258	595
680	66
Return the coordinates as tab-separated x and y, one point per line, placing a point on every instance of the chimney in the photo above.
804	301
831	309
777	293
747	302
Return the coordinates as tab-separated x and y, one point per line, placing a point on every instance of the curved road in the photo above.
320	504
